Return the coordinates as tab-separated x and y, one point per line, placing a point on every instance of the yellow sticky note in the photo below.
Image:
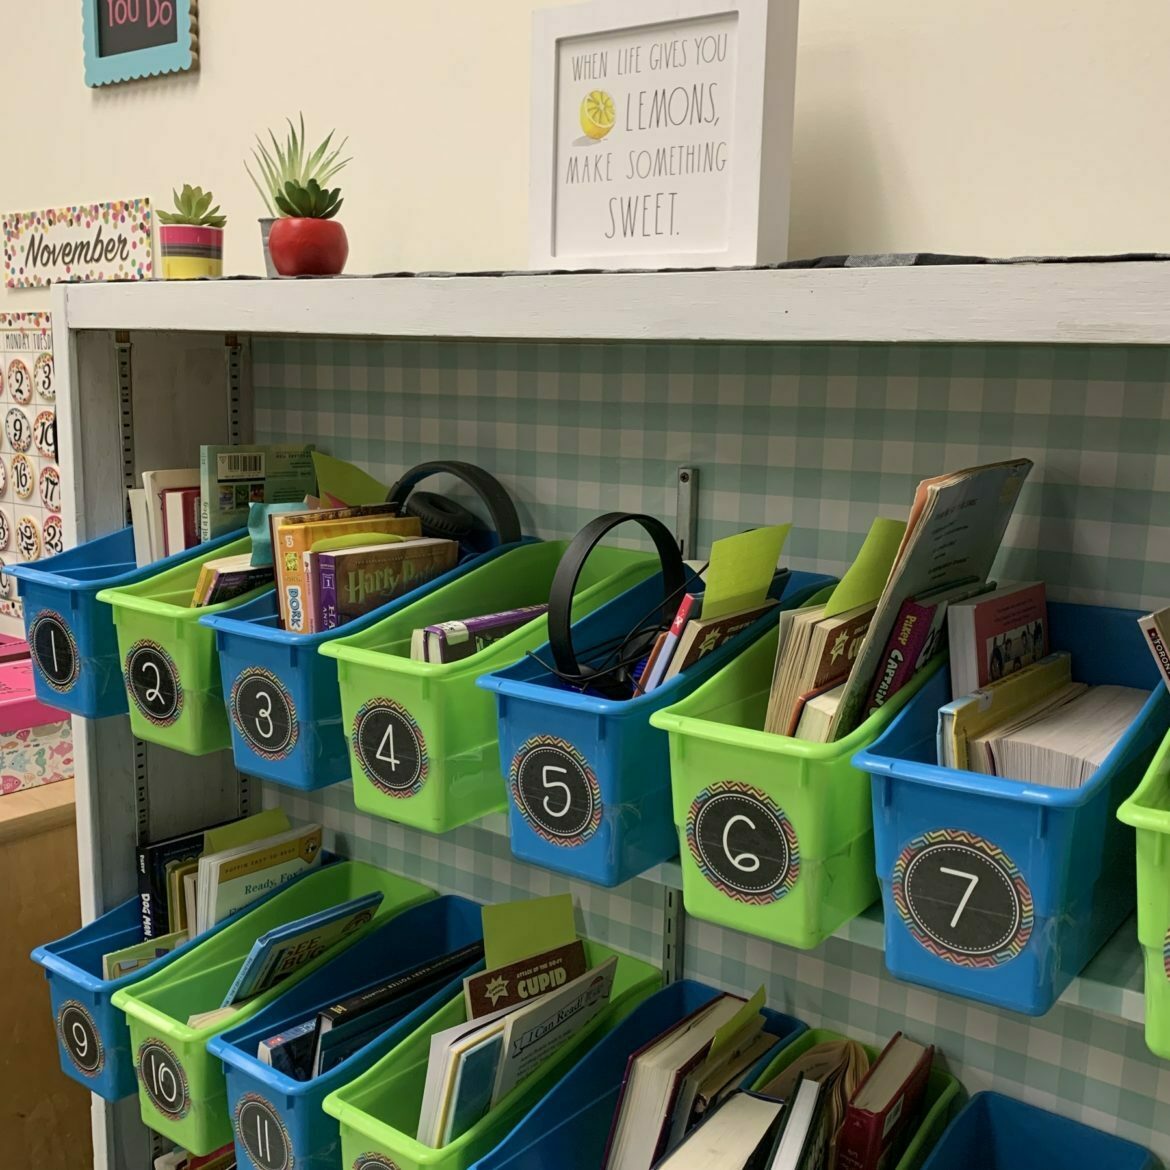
725	1035
517	930
349	484
268	823
740	570
865	579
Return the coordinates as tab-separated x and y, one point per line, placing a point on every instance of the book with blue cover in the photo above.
280	952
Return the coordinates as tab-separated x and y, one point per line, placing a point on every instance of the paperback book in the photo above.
232	478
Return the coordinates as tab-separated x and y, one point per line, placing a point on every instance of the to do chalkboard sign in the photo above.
125	39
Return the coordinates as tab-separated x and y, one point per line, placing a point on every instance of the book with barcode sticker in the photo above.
232	478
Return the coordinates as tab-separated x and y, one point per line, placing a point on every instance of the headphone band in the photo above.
489	489
564	585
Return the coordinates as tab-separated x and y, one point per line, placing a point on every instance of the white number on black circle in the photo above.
558	813
154	693
972	881
380	754
80	1040
265	714
745	861
163	1080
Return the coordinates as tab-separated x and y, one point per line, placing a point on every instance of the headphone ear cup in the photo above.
440	516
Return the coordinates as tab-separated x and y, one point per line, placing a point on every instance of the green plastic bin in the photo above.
379	1111
181	1088
944	1095
1148	811
775	834
169	661
422	736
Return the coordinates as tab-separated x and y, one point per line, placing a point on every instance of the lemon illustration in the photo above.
597	114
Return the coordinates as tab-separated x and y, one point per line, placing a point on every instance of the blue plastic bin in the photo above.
76	665
277	1122
612	769
295	736
93	1038
1056	867
568	1128
993	1132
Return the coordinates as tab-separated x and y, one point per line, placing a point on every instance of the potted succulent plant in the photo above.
191	237
293	163
307	240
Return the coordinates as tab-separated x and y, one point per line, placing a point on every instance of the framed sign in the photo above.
125	39
661	133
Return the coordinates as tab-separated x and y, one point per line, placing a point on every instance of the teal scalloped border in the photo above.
152	62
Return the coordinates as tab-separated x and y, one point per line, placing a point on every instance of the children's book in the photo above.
1155	627
134	958
996	634
353	581
453	641
297	534
235	878
157	484
231	478
281	951
222	578
290	1052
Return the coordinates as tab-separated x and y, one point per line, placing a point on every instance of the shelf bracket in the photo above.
235	360
674	921
686	524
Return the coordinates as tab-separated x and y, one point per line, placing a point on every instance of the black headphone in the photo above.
440	516
613	681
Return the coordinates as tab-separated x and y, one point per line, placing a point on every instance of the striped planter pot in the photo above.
190	252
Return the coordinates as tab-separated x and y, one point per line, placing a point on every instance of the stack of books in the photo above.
164	513
1037	725
828	1108
188	883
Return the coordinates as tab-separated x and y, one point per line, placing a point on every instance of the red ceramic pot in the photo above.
308	247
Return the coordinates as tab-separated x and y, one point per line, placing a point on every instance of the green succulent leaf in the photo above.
279	164
193	206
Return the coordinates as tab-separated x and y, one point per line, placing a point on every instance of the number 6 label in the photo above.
555	791
743	843
962	898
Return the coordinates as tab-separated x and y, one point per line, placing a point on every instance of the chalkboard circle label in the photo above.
164	1080
743	843
261	1132
152	678
374	1162
962	898
555	791
79	1035
54	650
390	748
263	712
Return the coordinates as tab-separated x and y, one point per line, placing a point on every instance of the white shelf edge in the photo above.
1108	302
1093	990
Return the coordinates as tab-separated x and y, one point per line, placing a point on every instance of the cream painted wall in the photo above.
993	126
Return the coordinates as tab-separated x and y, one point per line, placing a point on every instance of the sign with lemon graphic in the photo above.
662	133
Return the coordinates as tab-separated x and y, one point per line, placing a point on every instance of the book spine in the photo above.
205	489
1157	643
668	647
327	618
907	639
191	519
144	893
859	1141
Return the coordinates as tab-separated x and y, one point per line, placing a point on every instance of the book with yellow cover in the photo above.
969	716
297	533
230	880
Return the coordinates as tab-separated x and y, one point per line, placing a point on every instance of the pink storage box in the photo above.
12	649
36	741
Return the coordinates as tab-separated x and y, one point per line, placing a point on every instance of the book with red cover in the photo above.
180	513
917	635
885	1103
996	634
